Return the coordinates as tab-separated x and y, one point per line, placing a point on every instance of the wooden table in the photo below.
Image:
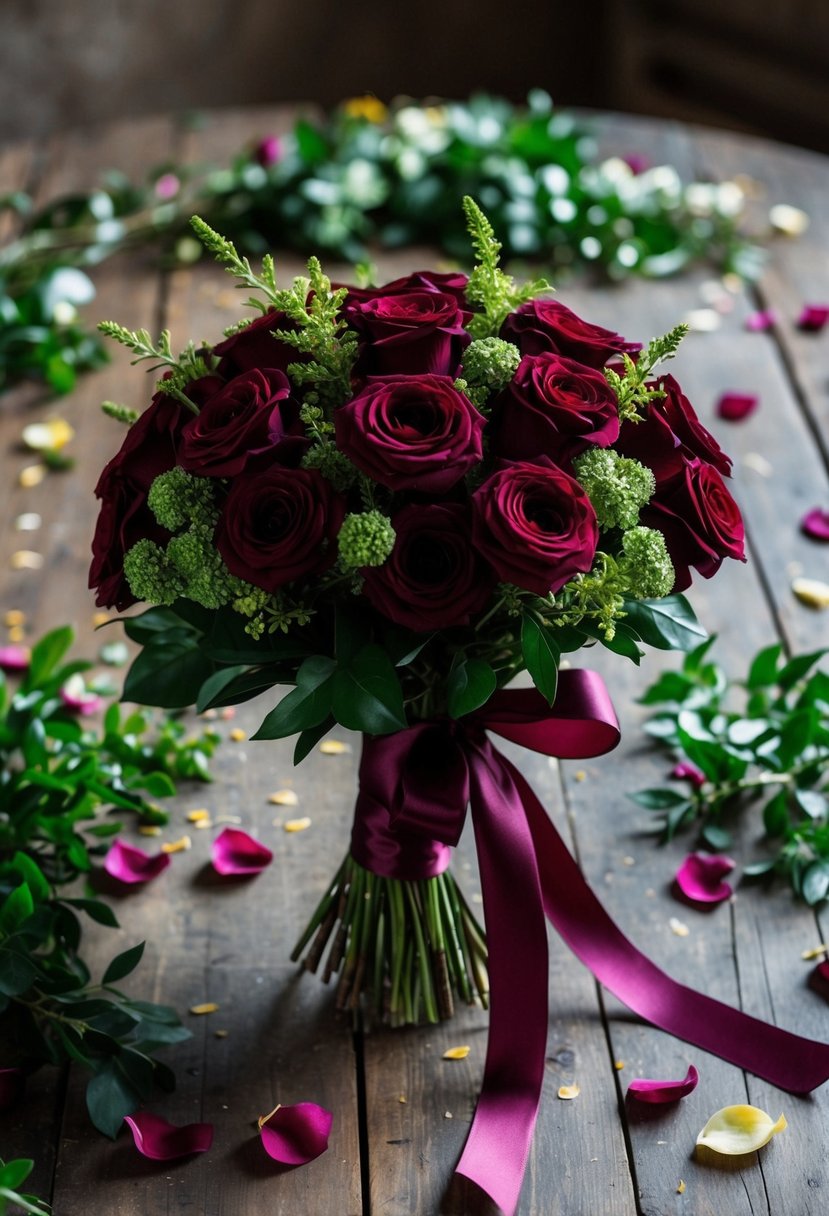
401	1112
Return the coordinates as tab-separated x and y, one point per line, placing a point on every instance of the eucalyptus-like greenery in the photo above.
361	177
59	784
761	745
12	1200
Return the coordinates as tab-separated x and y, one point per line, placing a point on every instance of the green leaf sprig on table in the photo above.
758	744
59	784
12	1200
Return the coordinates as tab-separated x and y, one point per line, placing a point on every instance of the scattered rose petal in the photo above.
618	1065
680	1187
791	221
735	1130
701	877
16	634
811	592
31	476
284	798
456	1053
295	1135
149	829
685	771
26	559
402	1099
763	319
734	407
236	853
268	151
198	816
568	1092
816	524
297	825
808	956
29	521
15	658
48	436
678	928
77	697
579	775
220	1034
14	617
167	186
99	619
162	1141
12	1084
813	317
177	846
703	320
206	1007
819	979
334	747
657	1092
203	824
758	463
131	865
447	1114
636	162
228	713
238	735
228	819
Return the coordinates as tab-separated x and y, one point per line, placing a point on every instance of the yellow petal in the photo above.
333	747
99	619
809	955
680	1187
207	1007
791	221
198	816
177	846
31	476
678	927
48	436
29	521
16	634
263	1119
297	825
735	1130
238	735
284	798
618	1065
811	592
14	617
220	1034
149	829
456	1053
26	559
567	1092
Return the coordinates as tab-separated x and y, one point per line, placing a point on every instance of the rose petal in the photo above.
819	979
80	699
816	524
12	1084
812	592
131	865
237	853
736	406
162	1141
647	1090
457	1053
763	319
813	317
735	1130
49	436
295	1135
15	658
684	771
700	877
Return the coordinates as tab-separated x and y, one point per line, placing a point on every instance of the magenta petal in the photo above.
237	853
813	317
129	864
736	406
764	319
816	524
81	702
636	162
700	877
162	1141
14	658
12	1084
294	1135
664	1091
684	771
819	979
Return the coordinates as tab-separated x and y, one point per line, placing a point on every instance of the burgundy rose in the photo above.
546	325
255	346
652	442
554	407
249	413
409	333
452	283
700	521
683	421
149	449
433	578
669	435
535	525
278	525
411	432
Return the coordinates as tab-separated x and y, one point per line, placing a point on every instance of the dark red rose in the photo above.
700	520
411	432
249	413
433	578
255	346
278	525
149	449
535	525
669	435
683	421
411	333
652	442
546	325
554	407
452	283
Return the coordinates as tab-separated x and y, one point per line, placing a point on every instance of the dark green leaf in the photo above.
307	705
471	683
308	739
123	964
101	913
16	908
110	1096
541	656
659	798
813	803
756	869
671	686
776	815
816	882
215	685
763	671
168	674
667	624
366	694
46	654
715	837
17	972
797	668
30	873
14	1173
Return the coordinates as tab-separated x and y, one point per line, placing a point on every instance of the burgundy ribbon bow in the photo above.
414	789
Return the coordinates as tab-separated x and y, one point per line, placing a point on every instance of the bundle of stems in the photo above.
408	947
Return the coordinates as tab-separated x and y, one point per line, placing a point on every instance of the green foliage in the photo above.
179	370
632	390
490	291
617	486
12	1175
770	755
365	540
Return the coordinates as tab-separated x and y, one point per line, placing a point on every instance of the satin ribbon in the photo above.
414	790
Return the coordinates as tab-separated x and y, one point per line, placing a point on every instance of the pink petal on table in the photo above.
131	865
734	407
700	877
295	1135
268	151
167	186
816	524
763	319
813	317
684	771
162	1141
646	1090
80	699
237	853
12	1084
636	162
15	658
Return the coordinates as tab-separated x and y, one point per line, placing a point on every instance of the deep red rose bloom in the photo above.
669	435
149	449
700	520
682	418
433	578
535	525
411	432
546	325
255	346
249	413
410	333
554	407
452	283
278	525
653	444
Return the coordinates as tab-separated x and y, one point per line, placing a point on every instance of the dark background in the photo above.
756	65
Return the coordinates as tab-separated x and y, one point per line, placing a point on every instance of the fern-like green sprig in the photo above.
321	334
180	369
631	389
489	289
225	252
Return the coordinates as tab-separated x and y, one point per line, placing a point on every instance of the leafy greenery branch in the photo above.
489	289
181	369
631	388
12	1176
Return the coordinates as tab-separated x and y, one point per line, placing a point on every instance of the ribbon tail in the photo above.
496	1150
787	1060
